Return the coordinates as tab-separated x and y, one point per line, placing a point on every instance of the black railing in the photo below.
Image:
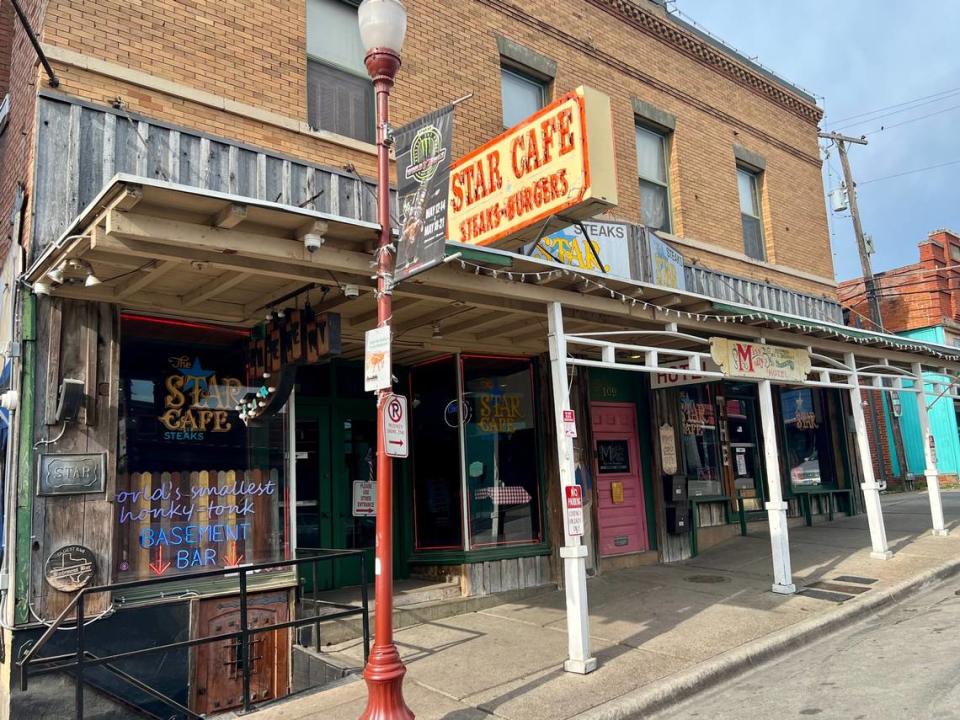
81	658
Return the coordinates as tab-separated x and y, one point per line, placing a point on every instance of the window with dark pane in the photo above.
438	509
654	185
500	444
339	92
748	186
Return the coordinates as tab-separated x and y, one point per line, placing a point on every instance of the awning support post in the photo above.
776	507
871	490
929	455
573	552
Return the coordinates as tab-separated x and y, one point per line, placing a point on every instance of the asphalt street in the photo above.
903	664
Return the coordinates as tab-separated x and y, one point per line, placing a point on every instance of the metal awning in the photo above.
821	329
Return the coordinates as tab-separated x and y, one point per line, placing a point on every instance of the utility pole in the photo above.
870	291
868	282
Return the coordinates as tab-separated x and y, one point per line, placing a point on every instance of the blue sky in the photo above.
860	55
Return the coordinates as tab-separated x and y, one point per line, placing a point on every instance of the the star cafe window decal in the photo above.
197	401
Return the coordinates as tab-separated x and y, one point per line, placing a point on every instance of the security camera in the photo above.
351	291
312	242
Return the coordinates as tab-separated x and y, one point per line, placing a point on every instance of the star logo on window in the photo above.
196	375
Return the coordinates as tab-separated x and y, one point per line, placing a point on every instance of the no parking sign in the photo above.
396	441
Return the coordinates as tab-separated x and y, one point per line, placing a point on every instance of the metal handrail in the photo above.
83	658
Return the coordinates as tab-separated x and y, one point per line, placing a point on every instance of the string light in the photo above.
539	277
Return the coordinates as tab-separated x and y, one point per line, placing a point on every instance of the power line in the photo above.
908	172
896	105
911	120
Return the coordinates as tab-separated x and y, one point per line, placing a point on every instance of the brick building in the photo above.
160	191
920	301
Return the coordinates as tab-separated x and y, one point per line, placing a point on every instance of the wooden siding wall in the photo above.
76	340
80	147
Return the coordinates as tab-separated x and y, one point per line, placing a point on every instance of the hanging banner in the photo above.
756	360
610	252
376	360
424	151
666	264
560	160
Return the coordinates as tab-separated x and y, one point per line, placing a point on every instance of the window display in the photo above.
500	451
196	488
698	436
806	446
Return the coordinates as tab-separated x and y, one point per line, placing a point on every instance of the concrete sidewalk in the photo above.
659	632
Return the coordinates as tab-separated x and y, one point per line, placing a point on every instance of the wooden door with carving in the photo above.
218	682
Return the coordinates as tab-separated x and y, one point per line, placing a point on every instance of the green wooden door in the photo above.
314	489
354	447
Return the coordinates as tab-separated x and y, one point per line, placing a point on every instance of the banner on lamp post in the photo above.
423	150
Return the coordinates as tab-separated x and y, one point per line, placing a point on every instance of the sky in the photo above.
857	56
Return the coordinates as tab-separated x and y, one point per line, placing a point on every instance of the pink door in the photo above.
621	512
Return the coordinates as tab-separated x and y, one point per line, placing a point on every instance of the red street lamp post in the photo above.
383	25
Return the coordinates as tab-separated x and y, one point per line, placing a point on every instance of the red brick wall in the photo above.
6	38
915	296
16	141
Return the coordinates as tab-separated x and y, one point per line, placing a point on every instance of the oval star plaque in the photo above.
70	568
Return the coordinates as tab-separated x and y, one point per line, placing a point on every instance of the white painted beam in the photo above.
775	506
930	457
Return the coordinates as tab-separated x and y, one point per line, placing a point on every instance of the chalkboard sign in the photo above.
613	456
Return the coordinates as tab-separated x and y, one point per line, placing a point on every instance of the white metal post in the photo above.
574	553
775	506
871	490
929	455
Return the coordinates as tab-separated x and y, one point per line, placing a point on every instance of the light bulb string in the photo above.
588	282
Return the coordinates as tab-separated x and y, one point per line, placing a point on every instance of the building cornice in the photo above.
709	55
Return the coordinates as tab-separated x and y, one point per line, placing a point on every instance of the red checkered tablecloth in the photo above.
504	495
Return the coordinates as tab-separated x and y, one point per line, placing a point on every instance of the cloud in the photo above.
860	55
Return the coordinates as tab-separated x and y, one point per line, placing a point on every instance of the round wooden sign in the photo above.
70	568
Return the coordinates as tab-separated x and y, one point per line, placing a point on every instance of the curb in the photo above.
652	698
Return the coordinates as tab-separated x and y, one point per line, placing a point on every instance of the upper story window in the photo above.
652	154
955	252
521	95
339	92
748	185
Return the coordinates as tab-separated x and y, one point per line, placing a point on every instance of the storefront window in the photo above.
438	509
806	444
500	440
196	488
698	434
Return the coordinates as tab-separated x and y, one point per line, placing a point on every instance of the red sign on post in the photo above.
569	424
574	501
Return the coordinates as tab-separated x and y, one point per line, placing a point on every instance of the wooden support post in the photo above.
776	507
573	552
930	456
871	490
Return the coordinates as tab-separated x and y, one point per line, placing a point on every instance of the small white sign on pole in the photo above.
364	498
574	497
376	360
668	449
569	424
396	439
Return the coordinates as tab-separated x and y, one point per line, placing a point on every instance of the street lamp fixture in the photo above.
383	26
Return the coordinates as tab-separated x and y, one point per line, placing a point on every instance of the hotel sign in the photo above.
559	161
759	361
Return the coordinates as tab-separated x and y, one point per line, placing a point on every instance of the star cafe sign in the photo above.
760	361
197	400
559	161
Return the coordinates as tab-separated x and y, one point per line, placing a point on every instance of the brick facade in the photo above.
16	141
185	62
915	296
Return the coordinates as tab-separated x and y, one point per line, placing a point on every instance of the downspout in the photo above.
54	80
25	462
10	476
